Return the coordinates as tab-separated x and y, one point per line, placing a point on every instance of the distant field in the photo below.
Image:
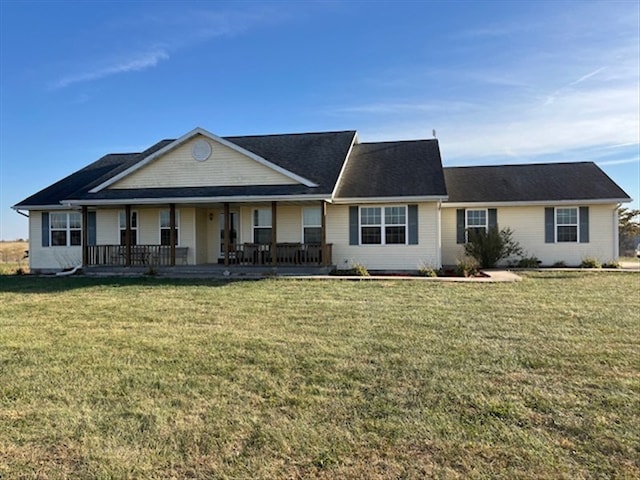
12	257
152	378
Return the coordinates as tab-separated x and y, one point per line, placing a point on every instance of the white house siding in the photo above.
188	233
201	220
148	226
385	257
246	222
528	227
212	233
43	259
451	251
225	167
108	227
288	222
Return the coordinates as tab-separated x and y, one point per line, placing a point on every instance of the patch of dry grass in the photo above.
12	257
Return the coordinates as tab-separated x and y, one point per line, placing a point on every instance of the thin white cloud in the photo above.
552	108
562	91
392	108
623	161
131	63
164	34
620	145
587	76
594	118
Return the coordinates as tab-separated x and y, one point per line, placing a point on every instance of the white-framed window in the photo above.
165	227
476	220
122	221
65	229
262	225
383	225
566	224
311	225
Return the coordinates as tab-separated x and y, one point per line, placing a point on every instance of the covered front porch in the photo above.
257	254
228	234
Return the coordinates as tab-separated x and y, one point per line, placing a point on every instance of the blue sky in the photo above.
500	82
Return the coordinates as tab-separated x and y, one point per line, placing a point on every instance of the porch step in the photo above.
206	271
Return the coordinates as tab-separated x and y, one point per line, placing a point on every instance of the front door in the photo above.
233	233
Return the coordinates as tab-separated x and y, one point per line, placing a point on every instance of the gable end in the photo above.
146	161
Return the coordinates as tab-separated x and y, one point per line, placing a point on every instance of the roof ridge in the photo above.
535	164
289	134
400	141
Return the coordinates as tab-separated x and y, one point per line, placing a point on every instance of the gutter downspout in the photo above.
616	233
439	234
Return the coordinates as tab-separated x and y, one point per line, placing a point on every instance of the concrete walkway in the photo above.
492	276
631	264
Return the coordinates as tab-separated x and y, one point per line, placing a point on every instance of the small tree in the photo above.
629	229
490	246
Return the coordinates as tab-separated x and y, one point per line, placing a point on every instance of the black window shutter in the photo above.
413	224
549	225
353	226
45	229
493	218
460	237
91	228
584	224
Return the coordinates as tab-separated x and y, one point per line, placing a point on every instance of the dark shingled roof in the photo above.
385	169
393	169
530	183
79	183
315	156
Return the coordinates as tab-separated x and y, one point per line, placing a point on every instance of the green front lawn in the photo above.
151	378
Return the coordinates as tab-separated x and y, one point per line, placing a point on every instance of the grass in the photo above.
150	378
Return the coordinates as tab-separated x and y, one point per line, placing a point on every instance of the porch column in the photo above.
227	233
127	235
323	233
172	234
85	235
274	235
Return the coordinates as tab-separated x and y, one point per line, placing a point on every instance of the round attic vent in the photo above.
201	150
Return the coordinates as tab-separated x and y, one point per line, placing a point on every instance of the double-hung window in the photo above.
370	225
567	224
383	225
395	223
476	221
65	229
472	221
122	221
311	225
165	227
262	225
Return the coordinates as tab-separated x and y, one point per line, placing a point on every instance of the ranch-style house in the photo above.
312	200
